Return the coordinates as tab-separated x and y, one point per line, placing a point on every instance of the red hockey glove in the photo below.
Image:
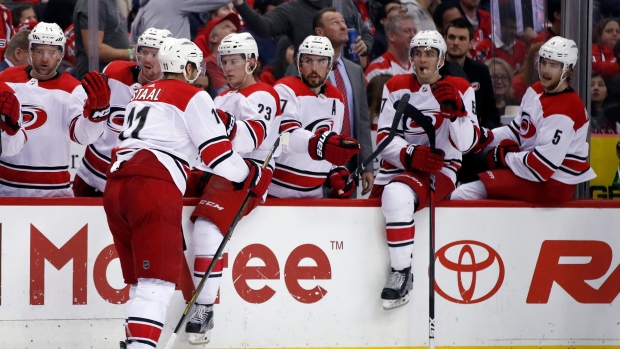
335	148
258	179
486	137
421	158
496	158
450	102
229	121
10	113
338	178
97	105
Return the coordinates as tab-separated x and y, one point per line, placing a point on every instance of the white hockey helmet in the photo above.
47	34
237	44
175	53
316	45
153	38
561	50
428	38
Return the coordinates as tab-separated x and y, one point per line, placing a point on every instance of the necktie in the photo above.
346	123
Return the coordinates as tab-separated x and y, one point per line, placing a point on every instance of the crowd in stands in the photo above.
494	47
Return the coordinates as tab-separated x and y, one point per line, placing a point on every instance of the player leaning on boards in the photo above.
312	112
403	180
60	111
250	112
165	127
542	154
12	135
124	78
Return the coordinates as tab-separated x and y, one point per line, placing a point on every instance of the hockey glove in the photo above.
10	113
338	178
496	158
421	158
486	137
97	105
230	122
258	179
450	102
335	148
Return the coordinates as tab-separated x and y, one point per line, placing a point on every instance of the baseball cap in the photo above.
233	17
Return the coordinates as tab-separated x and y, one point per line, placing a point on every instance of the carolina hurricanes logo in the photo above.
475	86
527	128
414	129
323	124
116	119
34	116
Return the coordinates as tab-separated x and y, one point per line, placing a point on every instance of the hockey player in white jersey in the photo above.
12	135
168	123
55	113
542	154
403	182
250	112
312	112
124	78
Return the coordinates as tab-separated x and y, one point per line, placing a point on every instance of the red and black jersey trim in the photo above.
289	125
182	165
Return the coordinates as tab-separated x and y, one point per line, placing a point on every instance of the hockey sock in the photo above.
206	240
147	312
398	205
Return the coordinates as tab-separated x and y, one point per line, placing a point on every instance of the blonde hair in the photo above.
502	63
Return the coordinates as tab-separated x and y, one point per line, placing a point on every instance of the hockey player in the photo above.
56	114
166	126
12	135
403	180
250	112
312	112
124	78
542	154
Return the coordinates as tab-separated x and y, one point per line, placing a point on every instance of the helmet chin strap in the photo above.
248	72
562	78
35	69
144	76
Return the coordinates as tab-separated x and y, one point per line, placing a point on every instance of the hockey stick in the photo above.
400	110
219	251
426	124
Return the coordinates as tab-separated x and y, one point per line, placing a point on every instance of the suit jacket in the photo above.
3	65
361	117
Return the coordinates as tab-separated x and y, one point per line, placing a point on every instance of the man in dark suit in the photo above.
349	78
459	38
17	51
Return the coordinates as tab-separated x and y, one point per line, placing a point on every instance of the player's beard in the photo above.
314	84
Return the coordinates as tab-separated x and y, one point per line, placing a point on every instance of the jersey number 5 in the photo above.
133	131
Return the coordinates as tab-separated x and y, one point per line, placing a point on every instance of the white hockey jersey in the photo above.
11	145
122	79
257	110
552	131
386	64
177	122
454	138
52	111
297	175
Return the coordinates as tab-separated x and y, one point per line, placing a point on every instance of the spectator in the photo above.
501	76
170	15
266	46
529	75
419	9
17	52
284	57
400	30
348	77
202	39
480	19
6	28
313	112
603	59
217	30
444	14
554	16
389	9
22	13
221	11
374	92
59	12
59	115
602	120
113	44
293	20
459	39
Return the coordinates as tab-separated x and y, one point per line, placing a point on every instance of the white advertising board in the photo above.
311	276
